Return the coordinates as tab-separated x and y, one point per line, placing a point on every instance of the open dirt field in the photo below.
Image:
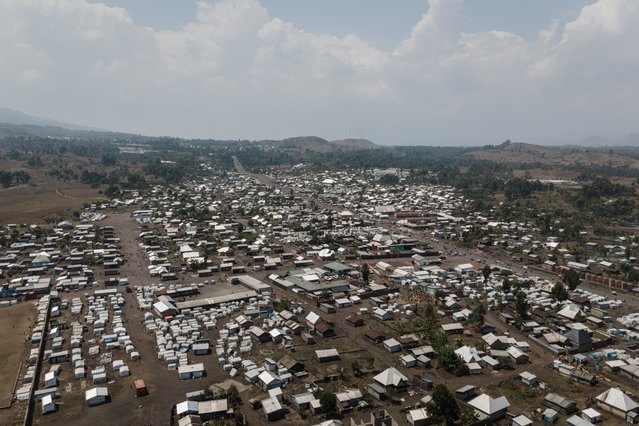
15	322
30	204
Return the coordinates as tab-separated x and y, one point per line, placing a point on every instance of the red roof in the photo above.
139	384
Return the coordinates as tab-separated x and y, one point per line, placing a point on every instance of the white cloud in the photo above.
237	71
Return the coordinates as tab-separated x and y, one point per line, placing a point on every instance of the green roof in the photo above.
337	267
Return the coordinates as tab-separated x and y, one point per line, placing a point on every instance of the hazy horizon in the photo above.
443	72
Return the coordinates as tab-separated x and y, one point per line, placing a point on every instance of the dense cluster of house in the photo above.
343	252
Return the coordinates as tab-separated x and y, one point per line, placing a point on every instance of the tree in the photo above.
328	402
486	272
443	407
204	252
479	311
430	318
448	359
283	305
233	396
505	362
365	272
571	279
506	285
521	306
112	191
559	291
469	416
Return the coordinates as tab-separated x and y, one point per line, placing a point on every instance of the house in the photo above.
418	417
571	312
48	406
269	380
349	398
201	348
190	420
355	320
522	421
468	354
259	334
452	304
473	368
408	360
327	355
302	401
324	330
425	350
213	409
454	328
464	269
580	340
312	320
575	420
560	403
382	314
517	355
375	335
592	415
488	408
615	401
140	388
490	363
291	364
273	409
191	371
186	408
377	418
392	345
528	378
465	393
276	335
96	396
50	380
550	416
391	377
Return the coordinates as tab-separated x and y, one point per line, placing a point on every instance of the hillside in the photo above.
519	152
11	116
316	144
355	144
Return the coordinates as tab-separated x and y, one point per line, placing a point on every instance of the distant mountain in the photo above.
355	144
16	117
317	144
598	141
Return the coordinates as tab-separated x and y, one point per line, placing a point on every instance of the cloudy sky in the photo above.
397	72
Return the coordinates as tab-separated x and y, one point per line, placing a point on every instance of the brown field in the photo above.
32	203
528	153
15	322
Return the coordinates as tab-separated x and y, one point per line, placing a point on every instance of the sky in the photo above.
409	72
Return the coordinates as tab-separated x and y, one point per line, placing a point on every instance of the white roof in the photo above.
488	405
313	318
570	311
391	342
591	412
96	392
390	376
267	377
522	420
468	353
417	415
617	399
187	407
